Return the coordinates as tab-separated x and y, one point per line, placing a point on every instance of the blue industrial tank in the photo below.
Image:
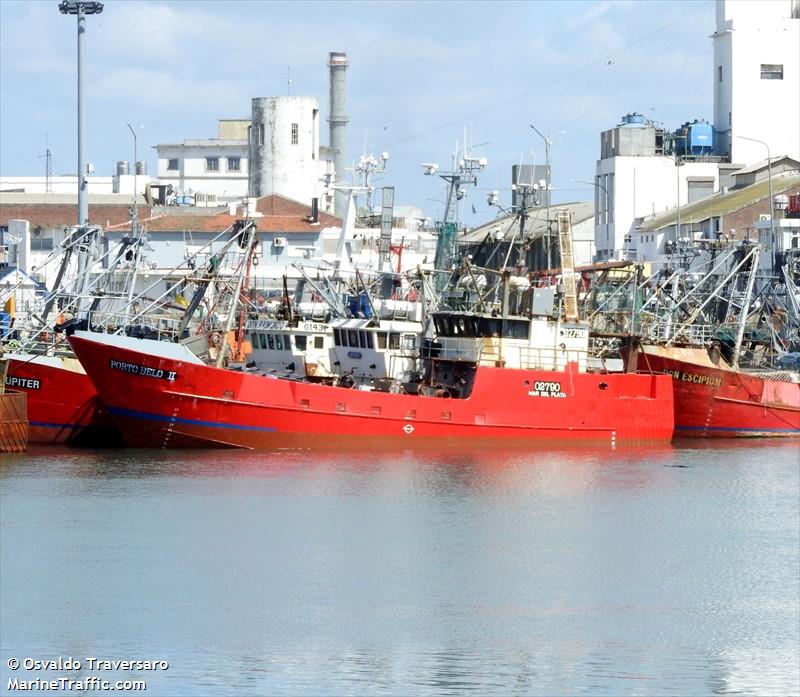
634	120
695	138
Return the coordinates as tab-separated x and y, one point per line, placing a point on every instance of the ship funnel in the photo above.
338	124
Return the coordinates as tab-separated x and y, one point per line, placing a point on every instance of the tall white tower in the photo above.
757	78
284	148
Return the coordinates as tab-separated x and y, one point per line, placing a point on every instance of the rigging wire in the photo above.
680	20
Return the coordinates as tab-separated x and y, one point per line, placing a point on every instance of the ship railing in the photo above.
156	325
505	355
792	376
676	332
550	358
452	349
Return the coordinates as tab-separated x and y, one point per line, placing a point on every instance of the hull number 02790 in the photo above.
545	388
574	332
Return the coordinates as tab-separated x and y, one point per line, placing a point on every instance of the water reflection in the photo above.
449	571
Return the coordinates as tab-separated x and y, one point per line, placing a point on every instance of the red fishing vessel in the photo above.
715	400
483	378
63	406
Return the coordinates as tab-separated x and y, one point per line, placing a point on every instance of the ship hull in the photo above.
63	405
716	402
160	402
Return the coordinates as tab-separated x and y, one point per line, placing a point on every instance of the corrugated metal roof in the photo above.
535	224
721	203
762	164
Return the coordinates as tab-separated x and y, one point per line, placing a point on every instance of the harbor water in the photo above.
670	571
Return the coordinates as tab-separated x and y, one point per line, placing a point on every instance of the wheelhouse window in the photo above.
173	164
212	164
319	342
234	164
300	342
771	71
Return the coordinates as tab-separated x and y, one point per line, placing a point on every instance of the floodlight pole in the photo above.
547	142
81	8
135	188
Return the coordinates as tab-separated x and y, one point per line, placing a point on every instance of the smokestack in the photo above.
315	210
338	124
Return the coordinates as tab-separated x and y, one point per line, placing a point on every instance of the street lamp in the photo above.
771	200
135	188
598	185
81	8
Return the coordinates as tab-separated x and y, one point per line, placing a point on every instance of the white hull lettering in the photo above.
543	388
23	383
142	370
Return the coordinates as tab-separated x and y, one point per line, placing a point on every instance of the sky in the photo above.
425	79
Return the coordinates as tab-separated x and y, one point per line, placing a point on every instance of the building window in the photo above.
771	71
295	134
172	164
719	73
234	164
212	164
41	244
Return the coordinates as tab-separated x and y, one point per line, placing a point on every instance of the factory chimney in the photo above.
338	125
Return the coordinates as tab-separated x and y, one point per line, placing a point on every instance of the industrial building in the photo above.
739	212
645	169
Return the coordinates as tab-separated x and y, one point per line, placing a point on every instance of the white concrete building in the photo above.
214	168
277	151
632	181
68	184
285	154
757	78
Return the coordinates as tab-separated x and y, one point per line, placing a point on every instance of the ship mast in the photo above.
751	279
464	172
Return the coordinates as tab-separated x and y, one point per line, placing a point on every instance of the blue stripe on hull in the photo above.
131	413
737	429
46	424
